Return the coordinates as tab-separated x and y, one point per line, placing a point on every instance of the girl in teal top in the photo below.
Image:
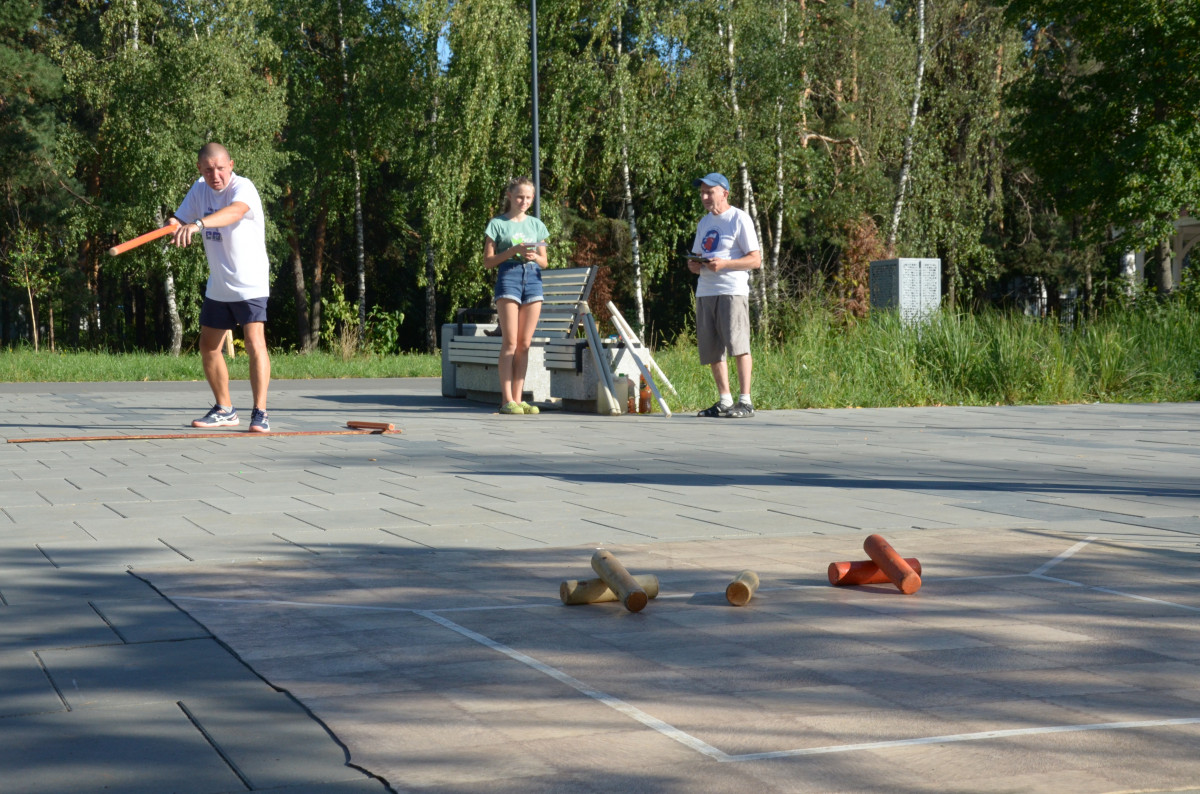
515	245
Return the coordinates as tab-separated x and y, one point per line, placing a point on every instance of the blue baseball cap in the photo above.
712	180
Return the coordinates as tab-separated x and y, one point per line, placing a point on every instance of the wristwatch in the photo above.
199	224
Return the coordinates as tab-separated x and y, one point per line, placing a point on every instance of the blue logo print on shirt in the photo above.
709	243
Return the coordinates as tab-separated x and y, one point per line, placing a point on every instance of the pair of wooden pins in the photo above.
615	583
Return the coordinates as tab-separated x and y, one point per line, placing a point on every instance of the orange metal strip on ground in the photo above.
226	434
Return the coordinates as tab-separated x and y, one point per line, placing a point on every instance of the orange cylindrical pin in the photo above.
142	239
899	572
844	574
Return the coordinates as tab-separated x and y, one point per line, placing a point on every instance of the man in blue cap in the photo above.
726	250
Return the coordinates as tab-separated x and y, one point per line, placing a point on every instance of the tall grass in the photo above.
24	365
1145	353
1149	352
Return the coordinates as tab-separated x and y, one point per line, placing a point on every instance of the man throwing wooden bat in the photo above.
225	210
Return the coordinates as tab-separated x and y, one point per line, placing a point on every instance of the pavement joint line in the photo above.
1041	569
108	622
42	664
962	737
650	721
213	743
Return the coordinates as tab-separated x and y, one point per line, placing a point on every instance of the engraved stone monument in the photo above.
911	286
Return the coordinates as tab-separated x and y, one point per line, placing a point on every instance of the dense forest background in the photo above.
1027	144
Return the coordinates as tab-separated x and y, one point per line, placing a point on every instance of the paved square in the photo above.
371	613
1030	644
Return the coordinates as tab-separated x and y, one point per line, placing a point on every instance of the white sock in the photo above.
745	399
726	400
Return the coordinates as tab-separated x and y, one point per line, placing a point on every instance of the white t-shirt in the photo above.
729	235
238	267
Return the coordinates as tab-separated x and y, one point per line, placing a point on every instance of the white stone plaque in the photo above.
911	286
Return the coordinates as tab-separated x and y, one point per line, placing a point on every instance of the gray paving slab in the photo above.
150	749
410	602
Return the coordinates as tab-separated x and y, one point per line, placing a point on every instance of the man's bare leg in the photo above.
260	362
745	366
720	371
213	359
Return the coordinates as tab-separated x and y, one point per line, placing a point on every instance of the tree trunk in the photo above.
169	291
360	257
431	328
634	240
1162	258
771	274
318	282
173	313
906	162
300	292
758	290
32	313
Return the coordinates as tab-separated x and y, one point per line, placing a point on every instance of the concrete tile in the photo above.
149	620
53	625
26	688
150	749
129	675
272	741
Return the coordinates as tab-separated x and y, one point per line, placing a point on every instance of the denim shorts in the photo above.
519	281
226	316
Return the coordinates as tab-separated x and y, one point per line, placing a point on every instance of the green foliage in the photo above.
22	365
430	100
1109	113
1144	353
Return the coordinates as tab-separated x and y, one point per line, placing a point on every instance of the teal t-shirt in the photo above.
505	233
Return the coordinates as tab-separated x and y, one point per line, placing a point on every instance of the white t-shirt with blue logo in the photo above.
238	267
729	235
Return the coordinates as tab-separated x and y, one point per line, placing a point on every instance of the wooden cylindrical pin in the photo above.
384	427
619	580
594	591
843	574
899	572
742	588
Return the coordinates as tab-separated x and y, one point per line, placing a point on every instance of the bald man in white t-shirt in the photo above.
724	250
225	208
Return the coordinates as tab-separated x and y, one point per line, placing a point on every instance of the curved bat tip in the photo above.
112	251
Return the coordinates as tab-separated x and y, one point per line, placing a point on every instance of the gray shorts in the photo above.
722	325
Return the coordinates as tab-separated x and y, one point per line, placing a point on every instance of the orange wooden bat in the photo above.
142	239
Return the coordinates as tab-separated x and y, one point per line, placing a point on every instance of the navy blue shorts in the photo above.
227	316
519	281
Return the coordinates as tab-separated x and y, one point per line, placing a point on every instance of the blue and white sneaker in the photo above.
258	421
217	417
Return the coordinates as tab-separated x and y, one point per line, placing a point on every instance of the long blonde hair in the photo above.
513	184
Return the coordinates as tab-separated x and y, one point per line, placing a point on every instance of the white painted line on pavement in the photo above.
654	723
1065	555
1110	591
961	737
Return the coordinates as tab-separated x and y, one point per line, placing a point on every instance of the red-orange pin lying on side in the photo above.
899	572
845	574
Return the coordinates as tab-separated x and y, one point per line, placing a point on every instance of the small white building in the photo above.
1187	234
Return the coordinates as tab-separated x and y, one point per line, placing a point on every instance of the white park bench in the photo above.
470	357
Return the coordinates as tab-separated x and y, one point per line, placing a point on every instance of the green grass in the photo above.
1145	354
25	366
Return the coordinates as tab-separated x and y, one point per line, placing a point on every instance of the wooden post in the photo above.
619	580
742	588
595	591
